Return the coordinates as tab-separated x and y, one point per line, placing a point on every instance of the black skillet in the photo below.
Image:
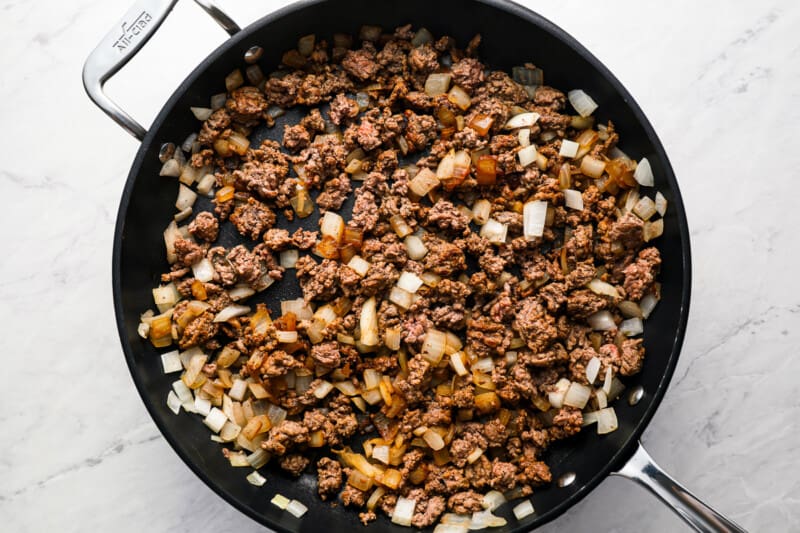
512	35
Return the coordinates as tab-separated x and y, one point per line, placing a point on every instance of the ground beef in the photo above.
318	280
252	218
428	509
335	193
466	502
277	239
444	258
420	130
245	264
535	326
329	477
487	338
326	354
361	63
352	497
205	226
632	357
294	463
304	239
445	216
468	73
296	137
342	109
246	104
640	275
199	331
284	436
627	231
187	252
582	303
423	59
214	126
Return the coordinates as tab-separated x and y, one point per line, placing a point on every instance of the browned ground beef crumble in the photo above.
523	303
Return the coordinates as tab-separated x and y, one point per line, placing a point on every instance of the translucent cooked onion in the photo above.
296	508
602	398
254	478
602	321
288	258
409	281
630	309
534	215
400	226
286	337
602	288
280	501
381	454
201	113
645	208
582	102
231	311
322	389
485	365
653	230
433	440
202	406
524	137
401	297
632	327
608	380
592	369
606	421
523	510
171	168
568	148
573	199
493	499
359	265
171	362
403	511
592	166
166	296
424	182
415	248
215	420
644	173
437	83
457	363
522	120
556	397
577	395
484	519
332	225
299	307
481	211
203	270
494	231
527	155
661	204
173	402
647	304
459	97
434	345
369	323
206	183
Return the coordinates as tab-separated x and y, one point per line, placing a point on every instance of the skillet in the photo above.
512	35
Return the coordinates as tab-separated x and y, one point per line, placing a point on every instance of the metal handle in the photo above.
643	470
123	42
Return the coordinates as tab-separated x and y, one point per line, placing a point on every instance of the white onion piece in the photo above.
481	211
171	234
458	364
602	321
484	519
527	155
180	216
485	365
381	453
493	499
415	248
606	421
401	297
615	389
346	387
437	84
647	304
568	148
602	398
332	225
573	199
409	281
453	519
173	402
359	265
652	230
433	439
286	337
577	395
232	311
238	390
171	362
608	380
645	208
296	508
592	166
203	270
524	137
202	406
186	197
632	327
369	323
280	501
403	511
240	292
183	392
299	307
630	309
602	288
592	369
534	215
523	120
644	173
494	231
215	420
289	258
206	183
254	478
166	296
201	113
323	389
661	203
582	102
171	169
523	510
556	398
450	528
589	418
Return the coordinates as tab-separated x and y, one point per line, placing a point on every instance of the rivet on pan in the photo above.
253	54
635	395
566	479
166	152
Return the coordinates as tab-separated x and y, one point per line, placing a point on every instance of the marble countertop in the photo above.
720	82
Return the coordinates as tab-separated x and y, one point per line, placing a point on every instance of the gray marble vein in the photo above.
719	80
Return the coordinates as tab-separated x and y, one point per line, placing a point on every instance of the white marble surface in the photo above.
720	81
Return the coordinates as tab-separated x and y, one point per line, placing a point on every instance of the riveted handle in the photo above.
123	42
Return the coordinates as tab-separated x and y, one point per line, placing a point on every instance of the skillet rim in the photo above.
623	452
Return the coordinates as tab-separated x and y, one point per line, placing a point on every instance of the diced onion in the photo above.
437	83
433	439
602	321
238	390
458	364
171	362
524	137
523	120
166	296
485	365
607	380
280	501
201	113
415	248
647	304
652	230
592	166
289	258
534	215
286	337
359	265
403	511
424	182
474	455
171	168
400	226
323	389
183	392
606	421
171	234
422	36
602	288
527	155
644	173
369	323
409	281
299	307
573	199
592	369
206	183
493	499
631	327
376	495
433	345
186	197
276	414
481	211
644	208
577	395
381	453
523	509
232	311
215	420
602	398
589	417
494	231
240	292
568	148
296	508
430	279
254	478
556	398
332	225
459	97
203	270
661	203
630	309
484	519
346	387
452	519
401	297
582	102
173	402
